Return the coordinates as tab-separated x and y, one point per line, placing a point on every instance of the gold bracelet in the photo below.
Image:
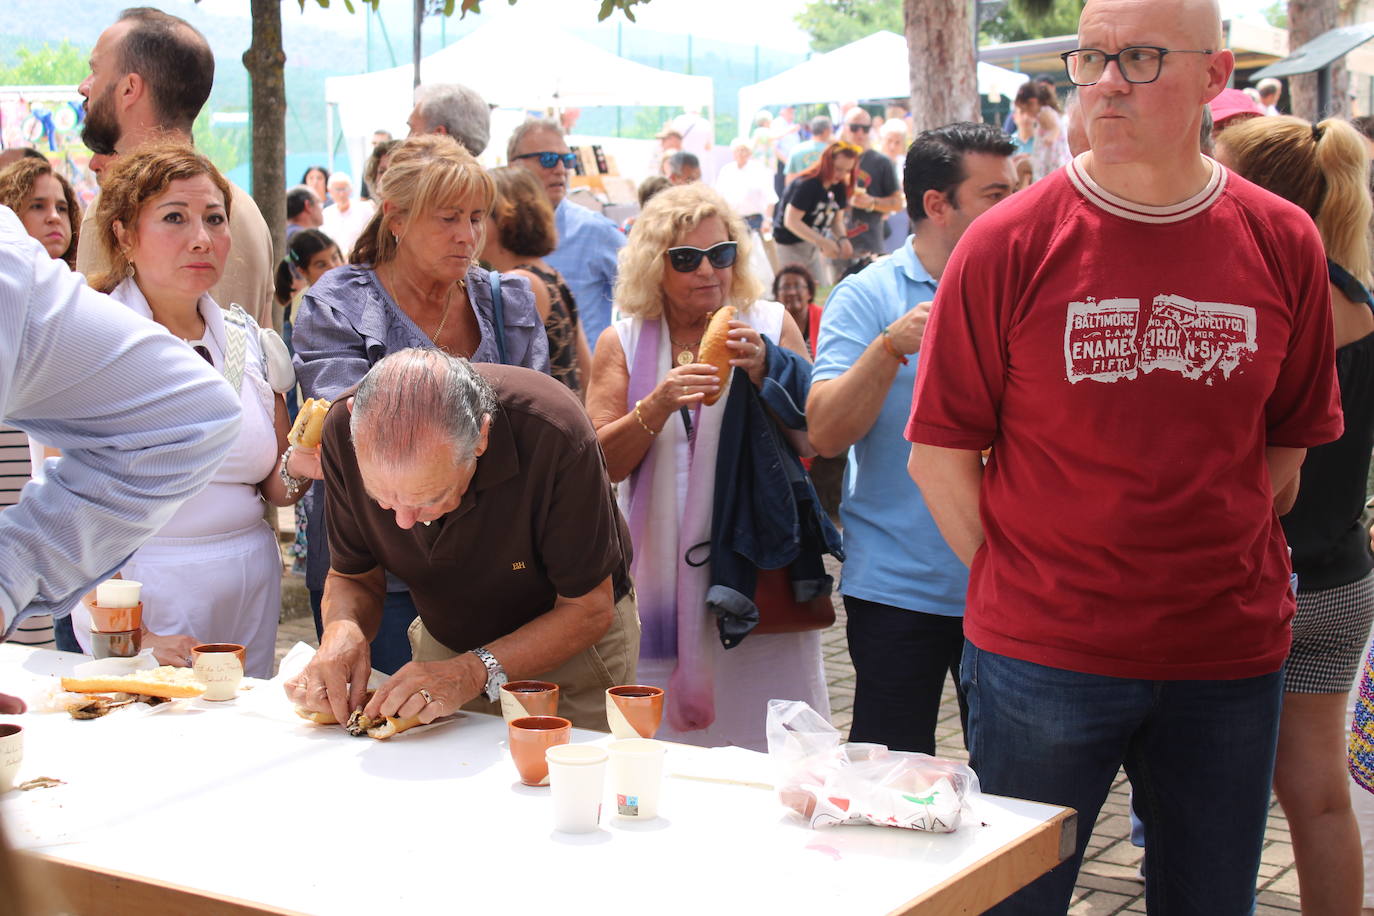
641	419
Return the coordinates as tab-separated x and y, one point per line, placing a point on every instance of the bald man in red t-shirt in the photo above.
1143	340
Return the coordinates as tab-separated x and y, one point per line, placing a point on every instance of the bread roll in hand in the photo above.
714	352
309	425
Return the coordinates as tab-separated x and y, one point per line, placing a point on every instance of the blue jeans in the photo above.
64	635
900	661
391	645
1199	754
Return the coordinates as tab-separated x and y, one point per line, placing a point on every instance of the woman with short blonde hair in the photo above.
688	257
412	281
1325	171
639	282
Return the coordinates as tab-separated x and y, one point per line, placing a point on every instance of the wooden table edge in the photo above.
1043	847
87	889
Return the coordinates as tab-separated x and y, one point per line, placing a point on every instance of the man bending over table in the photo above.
519	563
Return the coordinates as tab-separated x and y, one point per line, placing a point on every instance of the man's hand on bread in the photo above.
449	684
336	678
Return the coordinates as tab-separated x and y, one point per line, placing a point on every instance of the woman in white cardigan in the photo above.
213	573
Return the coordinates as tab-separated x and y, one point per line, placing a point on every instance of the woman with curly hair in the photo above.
45	203
213	572
688	257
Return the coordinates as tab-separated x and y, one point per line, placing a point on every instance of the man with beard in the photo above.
150	75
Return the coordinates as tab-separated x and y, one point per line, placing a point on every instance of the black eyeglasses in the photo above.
1137	63
549	160
861	128
686	259
204	352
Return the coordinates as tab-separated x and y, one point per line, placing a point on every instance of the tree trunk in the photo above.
416	39
1306	20
266	65
943	62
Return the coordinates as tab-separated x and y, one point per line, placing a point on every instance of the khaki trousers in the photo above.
582	680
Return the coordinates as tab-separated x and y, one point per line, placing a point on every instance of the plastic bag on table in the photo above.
829	782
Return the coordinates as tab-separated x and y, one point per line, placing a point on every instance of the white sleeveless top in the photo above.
231	501
765	316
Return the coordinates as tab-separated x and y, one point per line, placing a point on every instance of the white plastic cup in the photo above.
636	777
577	779
119	593
11	754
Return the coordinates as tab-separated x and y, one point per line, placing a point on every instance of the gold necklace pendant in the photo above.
685	358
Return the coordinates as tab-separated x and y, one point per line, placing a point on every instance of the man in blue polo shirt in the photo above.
588	243
903	587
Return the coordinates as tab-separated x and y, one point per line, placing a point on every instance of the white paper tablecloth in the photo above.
309	818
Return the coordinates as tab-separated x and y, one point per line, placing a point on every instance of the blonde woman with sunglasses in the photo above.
688	257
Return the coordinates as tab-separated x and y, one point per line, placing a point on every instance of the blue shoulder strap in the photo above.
1345	281
498	318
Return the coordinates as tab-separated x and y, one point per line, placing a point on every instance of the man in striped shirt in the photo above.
141	420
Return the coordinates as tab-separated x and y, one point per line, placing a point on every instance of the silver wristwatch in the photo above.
496	675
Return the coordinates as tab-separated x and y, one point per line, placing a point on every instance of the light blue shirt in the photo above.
141	420
588	245
894	553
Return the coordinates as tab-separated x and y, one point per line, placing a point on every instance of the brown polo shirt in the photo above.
538	520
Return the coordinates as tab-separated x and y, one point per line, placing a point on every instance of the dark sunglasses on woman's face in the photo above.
549	160
686	259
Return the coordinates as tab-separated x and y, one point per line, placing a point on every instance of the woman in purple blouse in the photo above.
411	281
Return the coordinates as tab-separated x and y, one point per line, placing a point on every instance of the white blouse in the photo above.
231	501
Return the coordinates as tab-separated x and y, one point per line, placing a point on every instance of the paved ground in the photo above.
1108	883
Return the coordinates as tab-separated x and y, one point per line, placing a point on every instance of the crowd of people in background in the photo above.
1077	524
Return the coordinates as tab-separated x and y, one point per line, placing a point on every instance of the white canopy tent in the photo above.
513	62
874	67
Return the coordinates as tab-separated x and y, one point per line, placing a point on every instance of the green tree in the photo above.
224	145
835	23
1014	22
64	65
1276	14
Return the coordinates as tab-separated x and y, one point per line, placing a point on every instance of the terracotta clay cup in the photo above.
634	710
219	666
113	619
529	739
528	698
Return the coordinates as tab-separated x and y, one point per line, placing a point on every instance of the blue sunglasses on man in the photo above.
550	159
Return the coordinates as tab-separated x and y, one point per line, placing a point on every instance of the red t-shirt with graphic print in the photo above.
1129	365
